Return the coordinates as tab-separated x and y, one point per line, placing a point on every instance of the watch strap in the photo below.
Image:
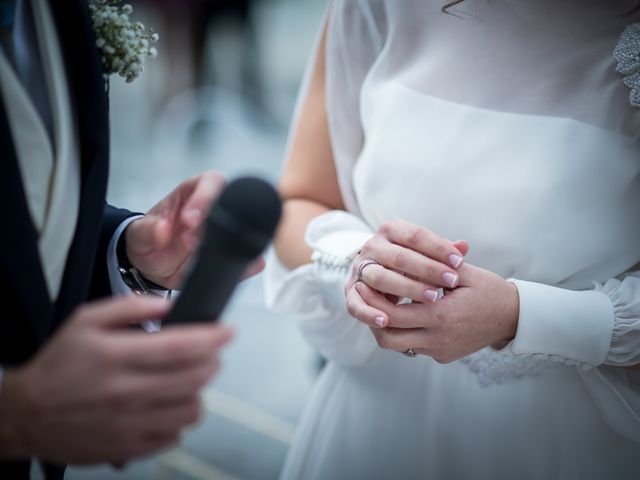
131	275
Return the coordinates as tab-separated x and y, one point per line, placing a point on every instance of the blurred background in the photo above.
220	96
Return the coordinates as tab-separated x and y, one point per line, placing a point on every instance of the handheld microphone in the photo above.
237	230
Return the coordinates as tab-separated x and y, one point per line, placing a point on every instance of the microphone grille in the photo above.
253	202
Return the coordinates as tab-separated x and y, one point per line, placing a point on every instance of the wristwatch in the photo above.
132	277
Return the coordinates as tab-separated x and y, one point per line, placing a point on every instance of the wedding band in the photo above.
410	353
364	263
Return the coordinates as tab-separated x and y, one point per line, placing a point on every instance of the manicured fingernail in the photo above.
431	295
455	260
450	279
380	321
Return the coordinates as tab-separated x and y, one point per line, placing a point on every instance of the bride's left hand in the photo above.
483	310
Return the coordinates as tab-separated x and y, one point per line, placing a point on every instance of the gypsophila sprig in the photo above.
124	46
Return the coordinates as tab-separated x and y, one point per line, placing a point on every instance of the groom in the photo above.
78	382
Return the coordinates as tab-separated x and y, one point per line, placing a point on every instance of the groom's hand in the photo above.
160	244
98	392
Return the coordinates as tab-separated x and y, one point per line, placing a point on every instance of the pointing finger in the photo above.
207	188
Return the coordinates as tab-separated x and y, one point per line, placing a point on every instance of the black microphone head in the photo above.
254	202
246	215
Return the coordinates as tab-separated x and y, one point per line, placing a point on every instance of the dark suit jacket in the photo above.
27	316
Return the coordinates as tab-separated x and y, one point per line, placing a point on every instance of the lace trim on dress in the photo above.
627	53
499	366
331	261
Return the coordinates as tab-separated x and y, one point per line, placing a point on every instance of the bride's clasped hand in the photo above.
405	261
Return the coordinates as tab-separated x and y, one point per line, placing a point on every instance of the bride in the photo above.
512	354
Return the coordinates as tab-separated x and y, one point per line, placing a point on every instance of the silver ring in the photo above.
366	262
410	353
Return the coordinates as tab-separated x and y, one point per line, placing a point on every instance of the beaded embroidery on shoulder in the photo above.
627	54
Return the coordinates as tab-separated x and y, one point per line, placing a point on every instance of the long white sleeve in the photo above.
565	323
314	292
595	328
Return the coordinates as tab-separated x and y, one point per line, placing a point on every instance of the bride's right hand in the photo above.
410	262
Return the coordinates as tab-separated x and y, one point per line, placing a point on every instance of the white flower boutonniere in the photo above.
124	46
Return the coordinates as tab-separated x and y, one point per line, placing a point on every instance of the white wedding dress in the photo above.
504	123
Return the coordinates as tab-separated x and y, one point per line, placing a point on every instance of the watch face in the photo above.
132	278
140	285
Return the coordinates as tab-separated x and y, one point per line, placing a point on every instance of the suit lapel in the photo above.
85	78
18	244
19	258
19	253
88	93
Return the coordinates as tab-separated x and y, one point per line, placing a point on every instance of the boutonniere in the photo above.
124	46
627	53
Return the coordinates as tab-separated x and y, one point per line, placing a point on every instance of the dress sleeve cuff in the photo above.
314	292
335	237
332	258
556	322
625	297
339	233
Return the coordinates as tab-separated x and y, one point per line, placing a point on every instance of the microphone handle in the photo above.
208	288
